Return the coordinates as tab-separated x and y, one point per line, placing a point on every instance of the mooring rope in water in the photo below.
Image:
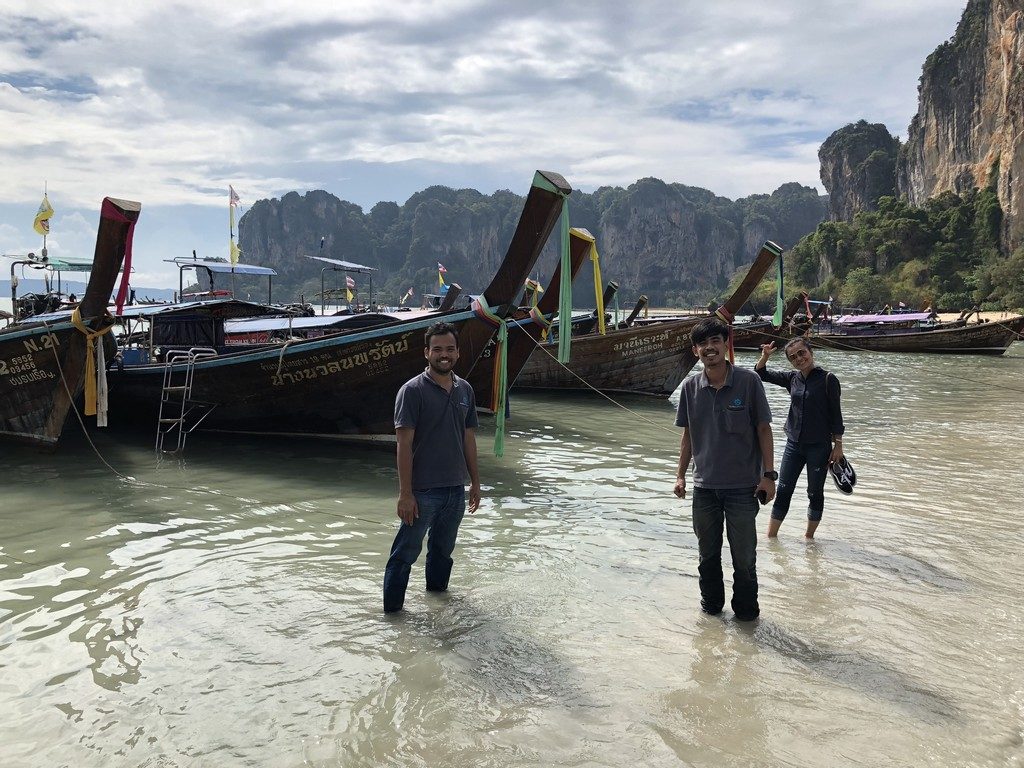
74	408
162	486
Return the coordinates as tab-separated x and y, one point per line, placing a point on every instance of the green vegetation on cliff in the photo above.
946	253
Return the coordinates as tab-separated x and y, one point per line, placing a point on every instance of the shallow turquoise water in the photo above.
226	611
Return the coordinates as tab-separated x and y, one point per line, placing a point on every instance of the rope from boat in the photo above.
74	408
588	385
280	356
542	320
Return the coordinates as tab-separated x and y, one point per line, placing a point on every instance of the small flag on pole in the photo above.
440	272
233	200
42	222
440	268
350	282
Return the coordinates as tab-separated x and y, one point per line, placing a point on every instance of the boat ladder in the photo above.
179	413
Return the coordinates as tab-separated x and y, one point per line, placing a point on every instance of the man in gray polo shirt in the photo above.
727	431
435	419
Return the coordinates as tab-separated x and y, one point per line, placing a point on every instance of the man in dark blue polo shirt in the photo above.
727	432
435	419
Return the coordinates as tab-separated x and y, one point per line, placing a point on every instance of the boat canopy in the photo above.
900	317
226	307
346	265
226	268
59	265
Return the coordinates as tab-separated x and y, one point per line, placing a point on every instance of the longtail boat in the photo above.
526	327
751	335
43	364
985	338
340	383
648	360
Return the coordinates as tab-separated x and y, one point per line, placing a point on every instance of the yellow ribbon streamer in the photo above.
598	287
90	357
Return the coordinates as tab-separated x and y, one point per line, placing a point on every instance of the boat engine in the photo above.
32	304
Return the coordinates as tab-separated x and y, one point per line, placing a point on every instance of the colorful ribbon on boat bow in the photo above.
541	319
499	381
91	372
110	211
598	284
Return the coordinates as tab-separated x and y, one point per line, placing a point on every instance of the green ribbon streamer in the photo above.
499	382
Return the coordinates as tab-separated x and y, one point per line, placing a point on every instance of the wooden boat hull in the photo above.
750	336
990	338
331	385
35	360
42	365
342	383
646	360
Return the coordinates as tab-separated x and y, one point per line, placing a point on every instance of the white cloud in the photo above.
169	103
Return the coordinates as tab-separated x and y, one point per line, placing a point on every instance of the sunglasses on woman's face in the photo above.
794	356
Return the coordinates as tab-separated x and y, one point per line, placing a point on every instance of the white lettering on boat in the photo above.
375	359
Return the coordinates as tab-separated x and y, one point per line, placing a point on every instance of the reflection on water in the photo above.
227	610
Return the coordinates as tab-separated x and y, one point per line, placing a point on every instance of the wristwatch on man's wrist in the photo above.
772	475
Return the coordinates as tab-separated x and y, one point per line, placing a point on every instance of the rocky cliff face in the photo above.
677	244
969	129
858	166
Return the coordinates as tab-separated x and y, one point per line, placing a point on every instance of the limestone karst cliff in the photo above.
858	166
969	128
677	244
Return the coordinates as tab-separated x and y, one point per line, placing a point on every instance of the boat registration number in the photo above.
23	363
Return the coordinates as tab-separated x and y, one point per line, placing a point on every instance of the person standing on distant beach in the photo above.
727	432
814	429
435	423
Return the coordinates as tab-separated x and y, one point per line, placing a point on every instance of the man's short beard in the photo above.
437	370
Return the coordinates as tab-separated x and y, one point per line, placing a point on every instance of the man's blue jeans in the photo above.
734	510
796	455
440	512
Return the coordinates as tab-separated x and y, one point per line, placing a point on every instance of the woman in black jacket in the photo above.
814	429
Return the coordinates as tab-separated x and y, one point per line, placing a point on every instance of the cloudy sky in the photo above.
169	102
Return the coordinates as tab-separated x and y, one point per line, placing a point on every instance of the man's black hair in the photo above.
440	329
706	328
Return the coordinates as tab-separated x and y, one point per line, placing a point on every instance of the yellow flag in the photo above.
235	253
42	222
